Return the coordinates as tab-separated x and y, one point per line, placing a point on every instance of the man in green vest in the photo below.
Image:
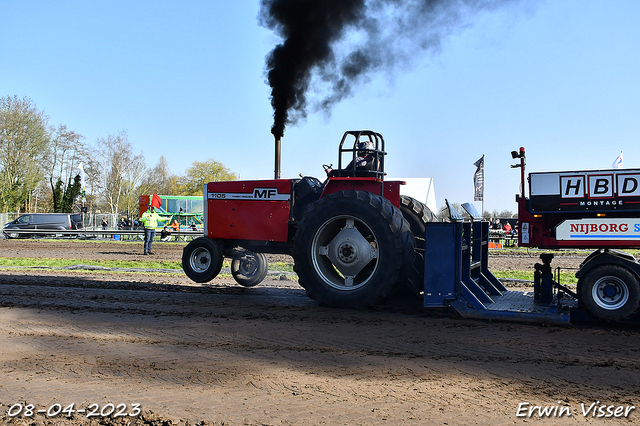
149	220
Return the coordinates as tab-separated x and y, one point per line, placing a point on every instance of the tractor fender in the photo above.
609	257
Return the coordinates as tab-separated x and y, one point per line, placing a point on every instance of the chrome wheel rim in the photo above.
345	253
200	260
248	265
610	293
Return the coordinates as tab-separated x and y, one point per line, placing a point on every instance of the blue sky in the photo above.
186	80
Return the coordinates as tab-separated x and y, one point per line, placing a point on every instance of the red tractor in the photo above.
354	239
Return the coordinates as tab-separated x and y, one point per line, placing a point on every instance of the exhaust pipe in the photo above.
278	153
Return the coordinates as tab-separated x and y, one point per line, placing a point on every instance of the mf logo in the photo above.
267	193
270	194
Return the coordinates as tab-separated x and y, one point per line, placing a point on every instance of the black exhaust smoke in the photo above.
333	45
308	28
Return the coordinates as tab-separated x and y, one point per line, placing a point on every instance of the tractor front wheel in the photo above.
350	248
249	269
202	259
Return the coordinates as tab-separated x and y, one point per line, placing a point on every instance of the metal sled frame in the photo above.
457	276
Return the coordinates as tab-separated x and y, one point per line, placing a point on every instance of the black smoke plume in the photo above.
332	46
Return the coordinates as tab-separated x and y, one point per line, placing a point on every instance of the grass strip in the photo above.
28	261
146	264
566	278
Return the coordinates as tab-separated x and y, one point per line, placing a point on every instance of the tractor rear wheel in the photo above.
417	214
249	269
350	249
202	259
610	292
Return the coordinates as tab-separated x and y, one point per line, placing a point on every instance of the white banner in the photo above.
599	229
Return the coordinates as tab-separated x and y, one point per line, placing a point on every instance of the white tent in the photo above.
421	189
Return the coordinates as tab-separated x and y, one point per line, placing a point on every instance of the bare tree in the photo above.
120	171
160	180
93	178
65	154
66	151
134	173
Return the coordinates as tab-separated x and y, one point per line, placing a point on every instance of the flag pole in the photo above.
482	214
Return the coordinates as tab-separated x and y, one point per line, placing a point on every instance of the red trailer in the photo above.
597	209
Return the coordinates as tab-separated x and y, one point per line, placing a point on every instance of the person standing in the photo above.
149	220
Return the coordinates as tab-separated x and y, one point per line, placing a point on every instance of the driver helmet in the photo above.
364	146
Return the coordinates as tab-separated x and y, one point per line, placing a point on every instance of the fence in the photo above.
499	239
93	228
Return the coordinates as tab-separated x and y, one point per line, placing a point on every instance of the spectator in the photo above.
105	223
175	226
165	234
507	228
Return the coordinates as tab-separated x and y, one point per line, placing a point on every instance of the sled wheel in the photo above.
250	268
350	249
610	292
202	259
417	214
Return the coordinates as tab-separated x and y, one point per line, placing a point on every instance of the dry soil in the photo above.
223	354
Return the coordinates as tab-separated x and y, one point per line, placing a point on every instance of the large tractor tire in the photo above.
610	292
417	214
202	259
350	249
249	269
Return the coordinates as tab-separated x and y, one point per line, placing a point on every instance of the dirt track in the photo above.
269	355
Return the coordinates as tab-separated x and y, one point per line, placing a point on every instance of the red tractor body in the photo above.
258	213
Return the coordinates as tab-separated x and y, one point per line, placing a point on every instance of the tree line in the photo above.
40	167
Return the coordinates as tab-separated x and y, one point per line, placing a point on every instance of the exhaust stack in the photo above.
277	156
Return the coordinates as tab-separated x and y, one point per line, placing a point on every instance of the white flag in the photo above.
617	164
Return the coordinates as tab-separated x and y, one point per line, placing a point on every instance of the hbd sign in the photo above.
585	190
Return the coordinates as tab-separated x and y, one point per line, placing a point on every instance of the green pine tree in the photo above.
57	197
70	194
